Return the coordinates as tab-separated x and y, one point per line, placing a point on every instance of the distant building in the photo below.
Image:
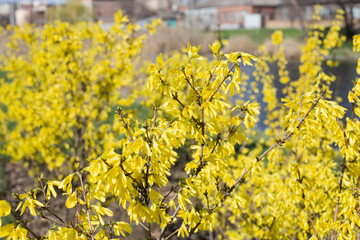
205	18
22	11
231	14
300	12
103	10
5	10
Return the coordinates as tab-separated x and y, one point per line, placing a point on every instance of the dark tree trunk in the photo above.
300	12
348	17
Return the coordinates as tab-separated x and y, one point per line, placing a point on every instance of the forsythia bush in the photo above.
64	80
289	185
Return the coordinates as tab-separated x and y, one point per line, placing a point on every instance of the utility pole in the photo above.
12	12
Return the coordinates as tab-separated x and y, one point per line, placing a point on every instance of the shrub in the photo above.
286	186
64	80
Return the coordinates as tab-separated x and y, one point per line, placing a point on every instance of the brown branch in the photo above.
233	127
175	97
300	180
288	135
126	126
210	77
127	174
281	141
203	132
86	205
172	234
192	86
278	143
24	225
194	229
167	195
147	184
169	222
202	163
218	138
343	167
218	88
312	223
149	232
154	118
54	214
59	223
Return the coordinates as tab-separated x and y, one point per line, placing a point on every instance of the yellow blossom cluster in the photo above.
300	181
63	81
308	189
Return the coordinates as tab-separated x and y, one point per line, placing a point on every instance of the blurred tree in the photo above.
347	7
300	12
72	12
128	7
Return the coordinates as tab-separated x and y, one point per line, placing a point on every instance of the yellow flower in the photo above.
356	43
277	37
192	52
215	47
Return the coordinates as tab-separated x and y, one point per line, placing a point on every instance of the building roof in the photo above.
323	2
227	3
47	2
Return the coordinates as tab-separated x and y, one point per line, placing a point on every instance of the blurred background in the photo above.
242	25
249	22
201	14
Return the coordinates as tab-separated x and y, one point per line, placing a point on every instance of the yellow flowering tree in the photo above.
300	182
63	81
308	188
194	111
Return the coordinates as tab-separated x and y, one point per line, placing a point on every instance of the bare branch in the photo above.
170	221
246	171
86	205
226	77
172	234
24	225
191	85
126	126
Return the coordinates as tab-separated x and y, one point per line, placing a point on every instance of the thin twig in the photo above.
288	135
218	88
210	77
172	234
54	214
126	126
343	167
145	227
218	138
175	97
154	118
233	127
149	232
278	143
194	229
172	189
312	223
169	222
203	131
303	196
56	222
86	205
192	86
24	225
